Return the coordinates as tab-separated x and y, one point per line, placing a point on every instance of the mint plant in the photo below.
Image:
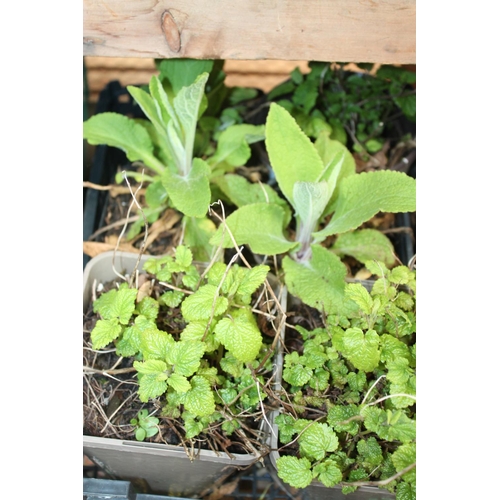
320	183
194	340
350	418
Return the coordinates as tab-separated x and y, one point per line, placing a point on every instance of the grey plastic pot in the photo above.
316	490
166	468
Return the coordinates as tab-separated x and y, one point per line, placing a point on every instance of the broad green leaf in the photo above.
233	145
195	330
199	306
317	440
319	283
116	304
328	473
286	427
362	349
370	452
365	245
339	414
121	132
240	335
230	364
362	196
294	471
152	382
400	429
190	193
260	226
295	371
252	280
148	307
292	155
359	294
193	426
406	491
154	343
404	456
104	332
199	400
172	298
179	382
185	356
241	192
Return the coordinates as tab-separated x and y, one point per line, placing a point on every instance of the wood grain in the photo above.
382	31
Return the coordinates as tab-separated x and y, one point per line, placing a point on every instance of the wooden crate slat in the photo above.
382	31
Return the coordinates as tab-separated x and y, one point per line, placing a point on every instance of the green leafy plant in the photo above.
180	149
145	425
350	413
194	340
320	183
355	108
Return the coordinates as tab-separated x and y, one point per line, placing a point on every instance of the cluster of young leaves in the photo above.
354	108
145	425
205	371
319	181
361	372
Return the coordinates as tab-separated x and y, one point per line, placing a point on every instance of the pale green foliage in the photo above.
181	369
369	363
317	179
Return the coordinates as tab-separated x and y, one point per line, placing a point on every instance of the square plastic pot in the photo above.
166	468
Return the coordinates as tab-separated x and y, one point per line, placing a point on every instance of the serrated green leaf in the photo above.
406	491
292	155
185	356
286	427
104	332
376	420
295	373
148	307
172	298
252	279
152	382
370	452
196	331
359	294
317	440
260	226
179	382
117	304
200	399
328	473
240	335
230	364
362	349
362	196
199	306
338	414
153	343
406	455
294	471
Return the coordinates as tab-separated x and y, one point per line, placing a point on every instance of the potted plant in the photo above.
347	422
198	329
185	346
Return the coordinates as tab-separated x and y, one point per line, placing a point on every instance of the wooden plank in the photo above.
382	31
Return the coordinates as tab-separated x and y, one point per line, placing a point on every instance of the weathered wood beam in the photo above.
382	31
